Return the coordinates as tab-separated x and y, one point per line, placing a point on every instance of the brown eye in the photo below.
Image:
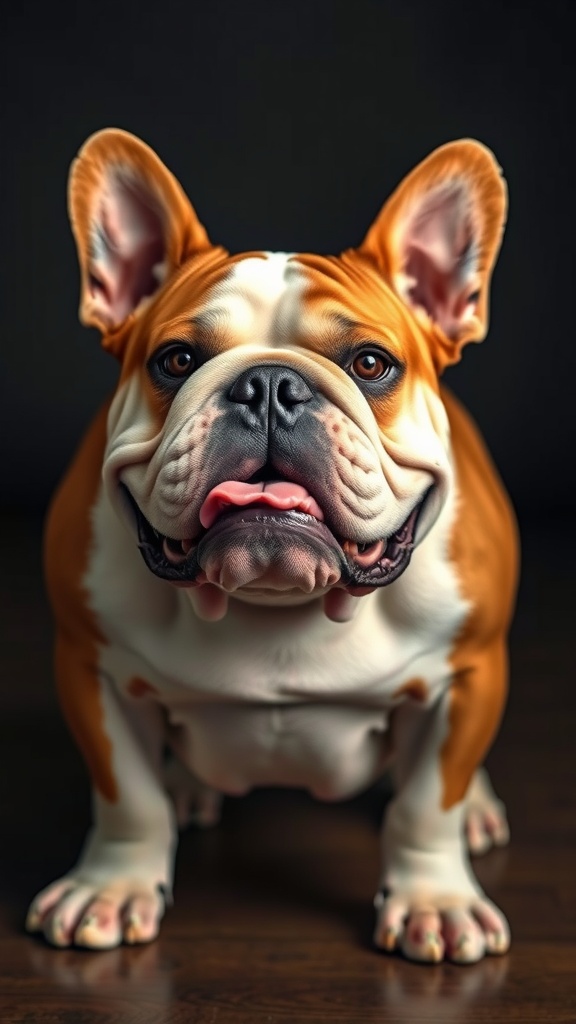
177	362
371	366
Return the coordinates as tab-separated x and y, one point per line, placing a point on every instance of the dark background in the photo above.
288	123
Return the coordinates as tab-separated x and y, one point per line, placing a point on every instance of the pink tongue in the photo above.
278	494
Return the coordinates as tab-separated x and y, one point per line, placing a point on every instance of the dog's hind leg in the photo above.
194	802
485	821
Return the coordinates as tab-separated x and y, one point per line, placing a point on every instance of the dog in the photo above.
282	552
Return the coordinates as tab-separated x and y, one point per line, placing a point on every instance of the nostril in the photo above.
247	390
292	390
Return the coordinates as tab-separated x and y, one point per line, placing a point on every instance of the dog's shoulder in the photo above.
484	538
68	538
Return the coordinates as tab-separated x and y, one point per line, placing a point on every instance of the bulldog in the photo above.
279	539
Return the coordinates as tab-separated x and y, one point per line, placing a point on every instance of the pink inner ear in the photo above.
440	258
128	248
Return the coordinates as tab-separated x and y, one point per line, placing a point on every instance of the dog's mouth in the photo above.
274	512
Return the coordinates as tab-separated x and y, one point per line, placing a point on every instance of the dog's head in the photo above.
277	432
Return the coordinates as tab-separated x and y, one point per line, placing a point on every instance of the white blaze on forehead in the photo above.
260	299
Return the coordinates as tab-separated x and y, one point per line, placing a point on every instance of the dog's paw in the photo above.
485	819
429	933
72	912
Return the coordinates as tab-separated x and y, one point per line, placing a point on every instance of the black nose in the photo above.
272	395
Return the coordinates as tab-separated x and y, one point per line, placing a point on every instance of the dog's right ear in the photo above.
132	223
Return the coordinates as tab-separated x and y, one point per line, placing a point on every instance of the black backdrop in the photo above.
288	123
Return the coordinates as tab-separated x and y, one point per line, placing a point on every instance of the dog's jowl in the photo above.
280	537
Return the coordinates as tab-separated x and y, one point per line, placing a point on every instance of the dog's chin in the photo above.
257	549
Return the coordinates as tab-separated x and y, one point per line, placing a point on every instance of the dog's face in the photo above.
277	429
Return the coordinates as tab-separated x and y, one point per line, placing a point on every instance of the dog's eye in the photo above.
176	361
371	365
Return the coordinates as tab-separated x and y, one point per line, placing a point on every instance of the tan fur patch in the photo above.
484	550
67	543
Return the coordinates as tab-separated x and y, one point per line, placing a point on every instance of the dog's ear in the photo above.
436	241
132	223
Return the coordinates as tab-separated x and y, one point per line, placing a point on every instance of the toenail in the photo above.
88	921
58	931
133	930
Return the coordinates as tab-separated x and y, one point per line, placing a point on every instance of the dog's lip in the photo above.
242	518
177	560
277	497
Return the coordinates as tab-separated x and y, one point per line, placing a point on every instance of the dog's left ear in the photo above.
133	226
436	240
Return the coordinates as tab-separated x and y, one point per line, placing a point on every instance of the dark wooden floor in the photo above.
273	918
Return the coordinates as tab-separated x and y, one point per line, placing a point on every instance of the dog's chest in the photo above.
269	695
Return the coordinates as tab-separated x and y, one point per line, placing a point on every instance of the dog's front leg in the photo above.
430	904
116	890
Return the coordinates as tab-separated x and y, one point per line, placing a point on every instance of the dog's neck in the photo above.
210	603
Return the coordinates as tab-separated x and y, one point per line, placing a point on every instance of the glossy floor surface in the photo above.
272	920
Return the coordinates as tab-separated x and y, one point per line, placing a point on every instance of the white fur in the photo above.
260	298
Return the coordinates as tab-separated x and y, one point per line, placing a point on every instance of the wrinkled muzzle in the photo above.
280	490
